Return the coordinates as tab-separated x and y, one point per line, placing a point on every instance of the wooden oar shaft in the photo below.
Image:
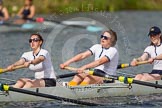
125	65
70	68
14	68
142	62
19	67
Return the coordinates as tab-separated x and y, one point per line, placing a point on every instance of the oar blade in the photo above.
94	28
27	26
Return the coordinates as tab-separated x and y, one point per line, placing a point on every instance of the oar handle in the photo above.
125	65
142	62
90	72
70	68
14	68
19	67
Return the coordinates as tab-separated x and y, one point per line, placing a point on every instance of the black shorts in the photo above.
49	82
156	72
106	80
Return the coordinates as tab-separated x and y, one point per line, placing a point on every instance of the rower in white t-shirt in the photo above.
39	61
152	53
43	69
112	55
106	60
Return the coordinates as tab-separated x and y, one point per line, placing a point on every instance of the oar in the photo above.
67	22
69	74
125	65
123	79
14	68
5	87
120	78
66	75
120	66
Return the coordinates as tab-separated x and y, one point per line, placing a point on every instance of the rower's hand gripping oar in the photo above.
14	68
125	65
120	66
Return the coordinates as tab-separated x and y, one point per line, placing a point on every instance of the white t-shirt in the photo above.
154	51
111	53
43	69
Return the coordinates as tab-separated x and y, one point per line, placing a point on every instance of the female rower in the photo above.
152	53
106	59
4	16
26	13
39	61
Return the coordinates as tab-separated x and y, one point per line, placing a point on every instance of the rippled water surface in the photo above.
63	43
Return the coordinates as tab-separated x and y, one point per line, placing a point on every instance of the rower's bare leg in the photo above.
138	76
34	83
20	83
90	79
77	79
28	84
149	77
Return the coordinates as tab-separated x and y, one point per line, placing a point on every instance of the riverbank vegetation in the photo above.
72	6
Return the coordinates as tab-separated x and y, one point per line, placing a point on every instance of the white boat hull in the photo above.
83	92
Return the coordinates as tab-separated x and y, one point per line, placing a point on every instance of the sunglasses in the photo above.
34	40
104	37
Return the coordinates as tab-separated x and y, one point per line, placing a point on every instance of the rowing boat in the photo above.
82	92
24	27
46	25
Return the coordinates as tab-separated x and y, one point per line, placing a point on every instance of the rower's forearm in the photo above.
37	61
75	59
18	63
159	57
92	65
139	59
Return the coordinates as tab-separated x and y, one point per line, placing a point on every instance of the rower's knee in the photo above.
138	77
19	84
28	85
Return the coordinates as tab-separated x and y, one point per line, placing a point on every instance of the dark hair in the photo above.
39	36
113	36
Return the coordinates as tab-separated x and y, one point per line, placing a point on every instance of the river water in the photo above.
64	42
